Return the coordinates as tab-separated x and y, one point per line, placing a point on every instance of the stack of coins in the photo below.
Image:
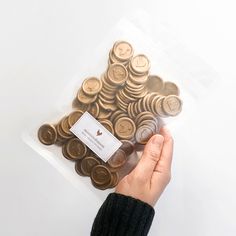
135	87
147	126
121	52
159	105
127	101
115	76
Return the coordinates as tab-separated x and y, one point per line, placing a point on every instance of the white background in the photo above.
41	44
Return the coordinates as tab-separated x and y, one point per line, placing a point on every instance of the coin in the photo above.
170	88
107	106
104	114
94	109
115	114
122	114
125	128
117	73
118	159
154	83
62	135
127	147
102	187
84	98
143	134
141	79
101	175
140	64
87	164
76	104
172	105
65	126
112	58
65	153
92	86
47	134
123	50
139	147
146	114
76	149
159	107
115	180
74	116
108	125
78	168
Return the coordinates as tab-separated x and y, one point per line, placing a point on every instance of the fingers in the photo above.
167	150
150	156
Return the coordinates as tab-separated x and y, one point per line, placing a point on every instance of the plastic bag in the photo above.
168	61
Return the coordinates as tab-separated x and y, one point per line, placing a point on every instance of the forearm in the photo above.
123	215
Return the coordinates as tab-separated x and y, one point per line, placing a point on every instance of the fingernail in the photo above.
157	140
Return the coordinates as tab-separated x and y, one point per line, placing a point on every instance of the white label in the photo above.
95	136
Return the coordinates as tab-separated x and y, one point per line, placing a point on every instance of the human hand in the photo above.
153	172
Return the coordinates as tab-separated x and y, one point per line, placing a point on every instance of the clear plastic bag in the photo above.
169	60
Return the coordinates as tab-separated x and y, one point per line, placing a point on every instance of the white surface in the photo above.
41	44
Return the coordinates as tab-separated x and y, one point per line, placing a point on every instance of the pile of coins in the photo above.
127	101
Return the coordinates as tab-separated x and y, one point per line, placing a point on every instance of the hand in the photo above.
153	172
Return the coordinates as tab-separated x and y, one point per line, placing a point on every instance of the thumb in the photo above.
151	155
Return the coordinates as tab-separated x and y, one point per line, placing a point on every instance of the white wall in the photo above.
41	44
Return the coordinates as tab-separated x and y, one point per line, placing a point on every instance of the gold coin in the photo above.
107	106
94	109
170	88
92	86
114	115
104	99
73	117
142	116
62	135
127	147
66	154
104	114
112	58
132	84
76	104
172	105
154	83
108	96
153	103
159	107
65	126
141	79
78	168
122	114
118	159
117	74
140	64
150	123
143	134
123	50
125	128
76	149
150	99
115	180
101	176
84	98
107	84
108	125
87	164
47	134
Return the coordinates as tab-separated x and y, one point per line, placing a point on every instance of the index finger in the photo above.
167	149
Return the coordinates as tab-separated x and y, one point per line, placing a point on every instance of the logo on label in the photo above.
99	132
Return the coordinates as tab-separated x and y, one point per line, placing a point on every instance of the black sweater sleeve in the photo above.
121	215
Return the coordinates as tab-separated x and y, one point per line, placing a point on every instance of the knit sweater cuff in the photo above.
123	215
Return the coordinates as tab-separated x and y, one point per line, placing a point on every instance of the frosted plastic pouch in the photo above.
169	60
